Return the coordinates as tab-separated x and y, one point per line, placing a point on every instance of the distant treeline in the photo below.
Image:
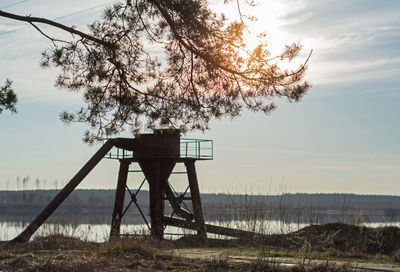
97	205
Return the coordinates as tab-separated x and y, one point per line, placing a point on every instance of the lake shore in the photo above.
314	248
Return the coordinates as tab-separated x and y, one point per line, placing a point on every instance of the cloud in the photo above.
355	167
388	167
342	71
21	48
352	41
290	152
5	29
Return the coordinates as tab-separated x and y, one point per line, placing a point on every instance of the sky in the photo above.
343	137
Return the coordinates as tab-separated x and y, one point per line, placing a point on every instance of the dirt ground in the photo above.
212	254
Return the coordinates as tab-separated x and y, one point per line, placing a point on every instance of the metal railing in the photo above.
198	149
118	153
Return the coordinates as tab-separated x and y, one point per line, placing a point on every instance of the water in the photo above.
100	232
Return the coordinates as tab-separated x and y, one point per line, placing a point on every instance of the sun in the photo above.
270	19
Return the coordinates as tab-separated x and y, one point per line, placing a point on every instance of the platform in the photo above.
197	149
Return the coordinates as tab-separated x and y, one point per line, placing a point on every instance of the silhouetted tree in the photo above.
37	182
156	63
8	99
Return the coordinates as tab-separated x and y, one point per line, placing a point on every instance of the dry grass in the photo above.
141	249
57	253
60	253
333	239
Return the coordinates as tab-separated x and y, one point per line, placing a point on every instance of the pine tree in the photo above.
165	63
8	99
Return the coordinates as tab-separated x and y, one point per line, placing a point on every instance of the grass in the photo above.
321	256
333	241
251	252
58	253
313	248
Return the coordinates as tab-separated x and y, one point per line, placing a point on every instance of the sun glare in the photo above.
267	21
270	19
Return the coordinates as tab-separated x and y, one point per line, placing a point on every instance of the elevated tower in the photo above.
156	154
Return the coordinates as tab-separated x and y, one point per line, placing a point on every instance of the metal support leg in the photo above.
119	200
196	201
157	172
156	201
151	170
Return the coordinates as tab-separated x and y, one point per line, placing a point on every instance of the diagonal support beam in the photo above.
64	193
134	200
242	234
175	203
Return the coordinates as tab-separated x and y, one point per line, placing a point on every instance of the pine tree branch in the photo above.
71	30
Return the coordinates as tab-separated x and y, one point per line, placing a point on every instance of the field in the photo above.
329	247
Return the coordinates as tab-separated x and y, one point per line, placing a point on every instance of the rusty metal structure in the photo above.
156	154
